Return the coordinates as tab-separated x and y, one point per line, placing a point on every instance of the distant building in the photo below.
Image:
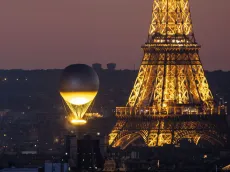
111	66
20	170
88	154
56	167
70	147
97	66
109	165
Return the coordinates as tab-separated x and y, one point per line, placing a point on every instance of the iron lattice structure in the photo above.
171	95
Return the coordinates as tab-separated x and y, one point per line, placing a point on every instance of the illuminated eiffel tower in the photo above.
171	99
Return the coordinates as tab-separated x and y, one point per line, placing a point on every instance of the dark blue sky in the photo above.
55	33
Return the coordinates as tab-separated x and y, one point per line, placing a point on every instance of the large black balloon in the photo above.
79	77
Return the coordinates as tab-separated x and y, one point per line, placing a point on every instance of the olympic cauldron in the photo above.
79	85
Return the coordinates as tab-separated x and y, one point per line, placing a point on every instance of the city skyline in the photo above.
44	34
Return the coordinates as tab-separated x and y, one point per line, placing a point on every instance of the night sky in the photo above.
45	34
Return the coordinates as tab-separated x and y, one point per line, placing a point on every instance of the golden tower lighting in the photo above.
171	94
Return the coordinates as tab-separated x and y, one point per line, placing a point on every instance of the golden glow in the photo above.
78	111
226	168
78	98
78	103
164	105
93	115
121	136
78	121
170	17
171	82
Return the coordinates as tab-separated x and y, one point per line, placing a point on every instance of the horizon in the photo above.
103	68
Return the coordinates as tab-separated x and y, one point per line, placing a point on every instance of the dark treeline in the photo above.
38	89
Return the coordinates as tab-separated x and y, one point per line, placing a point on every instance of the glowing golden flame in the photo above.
78	121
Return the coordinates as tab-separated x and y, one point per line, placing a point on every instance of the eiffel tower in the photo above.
171	99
